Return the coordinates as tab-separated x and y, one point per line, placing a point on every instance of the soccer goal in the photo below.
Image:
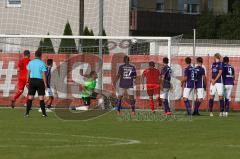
76	56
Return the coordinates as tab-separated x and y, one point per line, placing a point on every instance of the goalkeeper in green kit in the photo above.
89	93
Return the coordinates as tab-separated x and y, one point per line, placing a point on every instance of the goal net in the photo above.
40	17
76	56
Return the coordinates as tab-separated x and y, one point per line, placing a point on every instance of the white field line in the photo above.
108	141
93	118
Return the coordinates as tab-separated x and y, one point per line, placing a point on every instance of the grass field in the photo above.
108	137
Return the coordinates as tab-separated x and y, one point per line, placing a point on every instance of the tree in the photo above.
105	49
93	42
105	43
92	45
67	45
87	44
41	45
46	45
226	26
206	26
229	26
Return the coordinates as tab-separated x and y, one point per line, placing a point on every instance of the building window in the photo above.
159	7
13	3
192	8
210	5
134	4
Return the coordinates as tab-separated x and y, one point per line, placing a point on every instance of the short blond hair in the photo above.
217	56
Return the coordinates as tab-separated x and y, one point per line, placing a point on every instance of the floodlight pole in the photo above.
81	24
194	64
100	63
194	46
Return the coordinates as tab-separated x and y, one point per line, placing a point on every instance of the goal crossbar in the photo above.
86	37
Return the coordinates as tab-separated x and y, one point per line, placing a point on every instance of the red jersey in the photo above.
22	68
152	75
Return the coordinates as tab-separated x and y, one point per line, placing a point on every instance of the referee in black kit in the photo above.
37	82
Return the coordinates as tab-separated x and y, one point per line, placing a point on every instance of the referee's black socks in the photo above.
29	106
42	106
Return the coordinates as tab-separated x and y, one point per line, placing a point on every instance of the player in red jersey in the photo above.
152	76
22	76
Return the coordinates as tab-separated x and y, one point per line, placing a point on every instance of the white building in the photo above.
40	17
43	16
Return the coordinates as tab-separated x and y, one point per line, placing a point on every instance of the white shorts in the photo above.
228	91
49	92
187	92
164	93
200	93
217	88
121	91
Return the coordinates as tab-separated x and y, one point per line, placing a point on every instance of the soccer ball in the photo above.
134	41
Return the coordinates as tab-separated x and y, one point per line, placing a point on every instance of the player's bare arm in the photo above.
116	80
233	73
183	80
161	81
28	78
218	76
205	81
142	81
44	79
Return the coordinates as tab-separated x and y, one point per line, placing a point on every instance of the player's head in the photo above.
199	60
26	53
226	59
93	74
217	57
188	60
151	64
49	62
165	60
126	59
38	54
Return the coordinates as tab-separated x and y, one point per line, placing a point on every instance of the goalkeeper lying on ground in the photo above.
89	92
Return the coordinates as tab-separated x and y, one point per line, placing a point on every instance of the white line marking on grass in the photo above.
233	146
107	141
81	112
17	146
99	116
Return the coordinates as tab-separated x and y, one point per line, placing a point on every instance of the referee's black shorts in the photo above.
36	85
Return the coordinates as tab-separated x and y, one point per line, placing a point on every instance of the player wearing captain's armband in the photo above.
152	76
188	84
165	85
216	84
200	84
228	80
126	76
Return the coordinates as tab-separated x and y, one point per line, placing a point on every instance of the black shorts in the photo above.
87	100
36	85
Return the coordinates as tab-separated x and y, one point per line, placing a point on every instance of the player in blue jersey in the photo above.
200	84
188	84
228	81
165	85
216	85
49	93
